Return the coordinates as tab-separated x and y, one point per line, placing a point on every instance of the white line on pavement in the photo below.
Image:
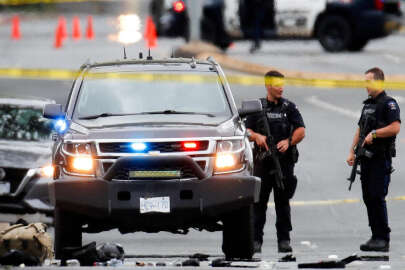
395	59
334	108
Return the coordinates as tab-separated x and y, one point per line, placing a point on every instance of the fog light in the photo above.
83	163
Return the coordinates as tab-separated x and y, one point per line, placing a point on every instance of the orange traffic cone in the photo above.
15	30
58	37
76	34
62	26
89	29
150	33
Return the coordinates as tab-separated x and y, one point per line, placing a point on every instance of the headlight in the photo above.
83	164
77	148
229	156
79	158
47	171
225	160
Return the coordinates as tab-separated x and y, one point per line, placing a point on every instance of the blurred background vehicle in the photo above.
25	156
172	20
339	25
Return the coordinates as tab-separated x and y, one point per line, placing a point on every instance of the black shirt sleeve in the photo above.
251	122
295	117
392	111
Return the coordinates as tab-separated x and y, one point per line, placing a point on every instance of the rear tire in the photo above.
68	231
334	33
237	241
357	45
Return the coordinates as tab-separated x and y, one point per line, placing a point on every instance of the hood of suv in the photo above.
153	131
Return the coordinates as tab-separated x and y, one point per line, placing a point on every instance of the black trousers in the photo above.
375	179
281	199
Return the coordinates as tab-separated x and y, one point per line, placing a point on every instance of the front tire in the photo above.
334	33
237	241
68	231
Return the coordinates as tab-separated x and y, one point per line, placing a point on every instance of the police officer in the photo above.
288	129
381	115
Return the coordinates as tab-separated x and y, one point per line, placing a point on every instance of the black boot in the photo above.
284	246
376	245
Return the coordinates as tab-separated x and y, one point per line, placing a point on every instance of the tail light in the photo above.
179	6
379	4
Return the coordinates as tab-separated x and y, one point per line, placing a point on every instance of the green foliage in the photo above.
24	124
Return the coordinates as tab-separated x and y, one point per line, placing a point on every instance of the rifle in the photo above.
360	151
272	154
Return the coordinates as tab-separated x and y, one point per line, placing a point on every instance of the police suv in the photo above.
338	24
153	145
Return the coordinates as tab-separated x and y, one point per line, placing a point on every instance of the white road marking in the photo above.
395	59
334	108
334	202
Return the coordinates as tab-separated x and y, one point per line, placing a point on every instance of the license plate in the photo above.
4	188
155	204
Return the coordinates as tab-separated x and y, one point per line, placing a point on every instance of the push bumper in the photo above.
120	200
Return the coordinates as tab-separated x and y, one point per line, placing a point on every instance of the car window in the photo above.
199	93
23	124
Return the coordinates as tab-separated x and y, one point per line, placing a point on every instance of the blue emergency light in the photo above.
60	125
138	146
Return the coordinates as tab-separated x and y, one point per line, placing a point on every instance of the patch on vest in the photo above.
368	111
276	115
392	105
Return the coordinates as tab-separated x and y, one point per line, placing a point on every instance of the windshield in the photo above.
141	93
23	124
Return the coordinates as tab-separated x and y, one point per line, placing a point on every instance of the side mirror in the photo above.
250	107
53	111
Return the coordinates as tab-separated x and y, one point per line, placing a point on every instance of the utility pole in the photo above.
194	8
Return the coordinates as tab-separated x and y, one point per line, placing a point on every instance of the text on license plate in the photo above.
154	204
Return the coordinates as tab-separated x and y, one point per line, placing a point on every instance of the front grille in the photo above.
201	163
163	147
107	165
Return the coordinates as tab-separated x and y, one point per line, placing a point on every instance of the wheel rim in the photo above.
334	37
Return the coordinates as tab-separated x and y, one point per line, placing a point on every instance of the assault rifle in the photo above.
360	151
272	154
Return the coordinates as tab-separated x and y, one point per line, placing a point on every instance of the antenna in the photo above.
125	53
149	56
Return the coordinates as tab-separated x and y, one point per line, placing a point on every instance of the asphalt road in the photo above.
326	224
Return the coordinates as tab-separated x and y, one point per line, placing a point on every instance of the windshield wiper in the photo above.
90	117
177	112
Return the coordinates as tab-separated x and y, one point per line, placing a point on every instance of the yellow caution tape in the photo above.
246	80
31	2
334	202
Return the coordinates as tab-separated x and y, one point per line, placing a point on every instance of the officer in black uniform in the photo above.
288	129
383	119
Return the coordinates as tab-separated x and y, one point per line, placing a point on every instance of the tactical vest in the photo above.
277	118
371	110
280	126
